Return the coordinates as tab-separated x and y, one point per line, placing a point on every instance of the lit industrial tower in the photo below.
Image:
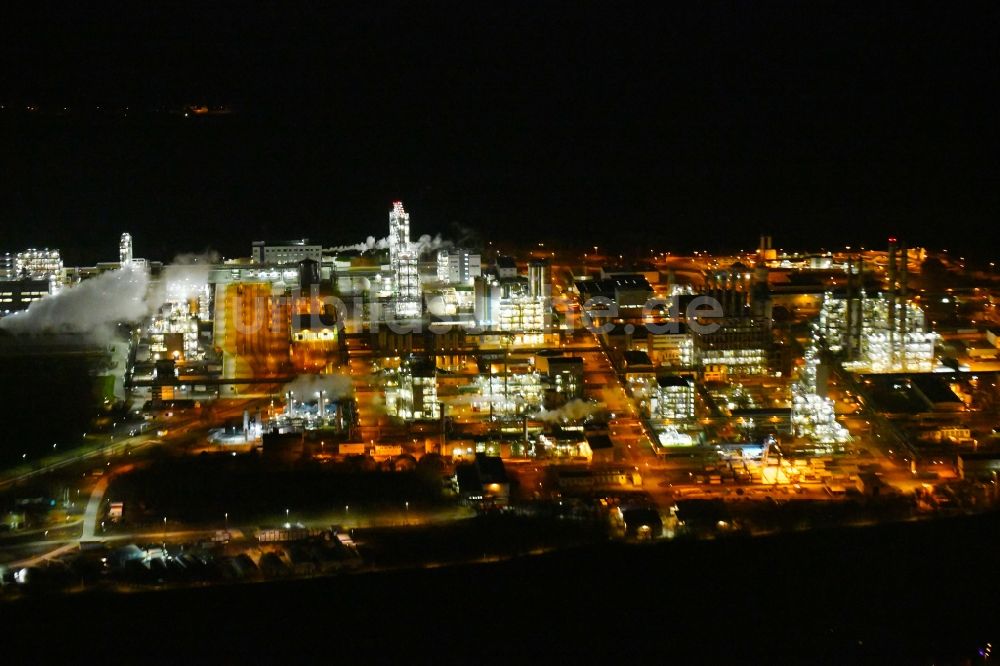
125	250
403	262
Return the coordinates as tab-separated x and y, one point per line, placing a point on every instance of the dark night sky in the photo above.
688	125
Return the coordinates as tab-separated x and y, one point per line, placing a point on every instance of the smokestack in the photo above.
444	428
732	283
891	295
737	297
849	329
904	260
290	400
903	279
860	315
322	404
338	414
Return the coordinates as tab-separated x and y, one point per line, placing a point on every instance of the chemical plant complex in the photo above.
282	413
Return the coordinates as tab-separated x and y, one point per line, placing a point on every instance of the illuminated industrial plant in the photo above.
125	250
512	394
813	414
672	398
511	304
880	333
671	436
403	264
316	411
38	264
458	266
411	391
174	328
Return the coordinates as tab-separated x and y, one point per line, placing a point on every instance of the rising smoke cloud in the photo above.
574	410
365	246
426	243
92	307
305	387
188	273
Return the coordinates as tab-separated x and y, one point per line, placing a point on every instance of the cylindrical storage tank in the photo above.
538	279
308	274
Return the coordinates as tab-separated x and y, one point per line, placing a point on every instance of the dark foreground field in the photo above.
907	593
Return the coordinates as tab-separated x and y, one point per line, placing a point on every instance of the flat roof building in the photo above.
506	267
672	398
283	253
627	292
17	295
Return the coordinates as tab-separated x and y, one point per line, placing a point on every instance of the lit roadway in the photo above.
666	479
33	546
628	432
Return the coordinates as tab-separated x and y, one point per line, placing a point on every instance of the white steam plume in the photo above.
365	246
92	307
426	243
574	410
188	274
305	387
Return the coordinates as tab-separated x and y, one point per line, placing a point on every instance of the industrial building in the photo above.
38	264
309	415
508	393
765	249
564	374
17	295
637	364
505	267
813	416
405	285
125	250
507	304
315	322
411	390
540	278
672	349
740	347
175	328
672	398
8	267
458	266
628	293
252	329
878	332
483	483
284	253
